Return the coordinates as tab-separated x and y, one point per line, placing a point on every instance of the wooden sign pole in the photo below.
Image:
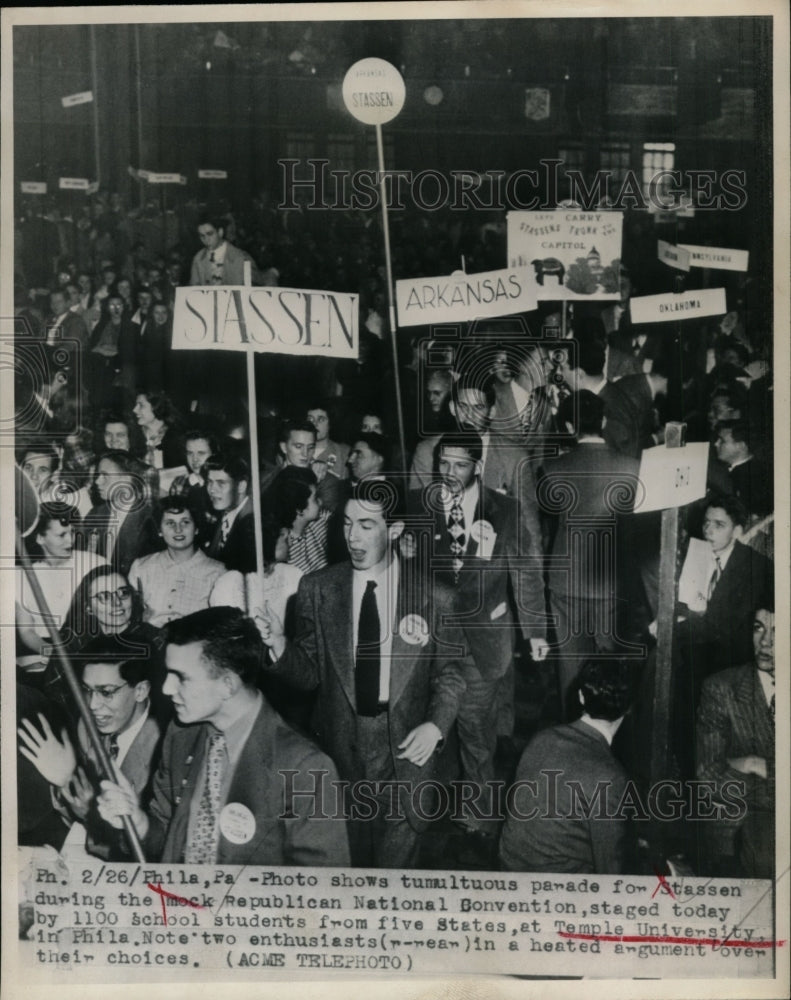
390	294
255	483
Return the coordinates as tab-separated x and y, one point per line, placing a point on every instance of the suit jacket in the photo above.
560	838
232	271
753	483
138	536
735	721
621	429
238	552
727	624
257	784
590	489
638	393
138	766
495	593
426	683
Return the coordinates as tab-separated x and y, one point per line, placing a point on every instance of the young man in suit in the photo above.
220	262
117	689
371	640
479	549
547	830
220	793
585	496
233	540
736	743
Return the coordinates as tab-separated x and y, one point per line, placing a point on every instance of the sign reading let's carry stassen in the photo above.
266	320
572	254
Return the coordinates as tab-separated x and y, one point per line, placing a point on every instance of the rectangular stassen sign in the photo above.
266	320
460	296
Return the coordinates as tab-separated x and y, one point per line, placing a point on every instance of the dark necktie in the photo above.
715	577
367	656
111	744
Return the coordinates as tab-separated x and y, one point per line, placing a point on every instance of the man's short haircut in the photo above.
115	650
732	505
295	425
472	383
378	444
607	687
49	513
386	494
125	461
215	221
730	343
442	375
231	641
733	392
468	441
740	430
584	410
234	466
196	434
44	448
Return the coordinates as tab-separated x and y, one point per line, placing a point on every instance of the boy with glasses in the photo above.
117	691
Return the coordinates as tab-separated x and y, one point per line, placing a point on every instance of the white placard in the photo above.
686	305
154	178
266	320
85	97
213	175
672	477
676	257
33	187
73	183
693	583
463	296
573	254
719	258
373	91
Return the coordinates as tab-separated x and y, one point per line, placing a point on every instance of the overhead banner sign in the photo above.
670	307
464	296
85	97
73	184
717	257
33	187
266	320
213	175
154	178
676	257
572	254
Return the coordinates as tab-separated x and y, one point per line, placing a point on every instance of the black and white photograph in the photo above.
395	408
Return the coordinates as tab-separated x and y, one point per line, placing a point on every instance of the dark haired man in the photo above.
219	796
370	456
220	262
233	541
371	640
117	690
479	549
750	478
546	829
736	742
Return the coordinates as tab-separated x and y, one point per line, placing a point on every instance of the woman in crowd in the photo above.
160	424
103	604
121	527
180	579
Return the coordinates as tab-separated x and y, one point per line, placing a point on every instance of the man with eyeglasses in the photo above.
117	690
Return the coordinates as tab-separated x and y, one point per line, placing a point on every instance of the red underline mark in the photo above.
662	884
162	893
665	939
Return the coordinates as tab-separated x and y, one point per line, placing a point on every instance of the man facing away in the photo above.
219	796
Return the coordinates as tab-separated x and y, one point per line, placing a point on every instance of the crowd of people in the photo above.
374	626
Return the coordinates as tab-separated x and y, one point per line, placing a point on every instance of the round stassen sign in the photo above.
374	91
